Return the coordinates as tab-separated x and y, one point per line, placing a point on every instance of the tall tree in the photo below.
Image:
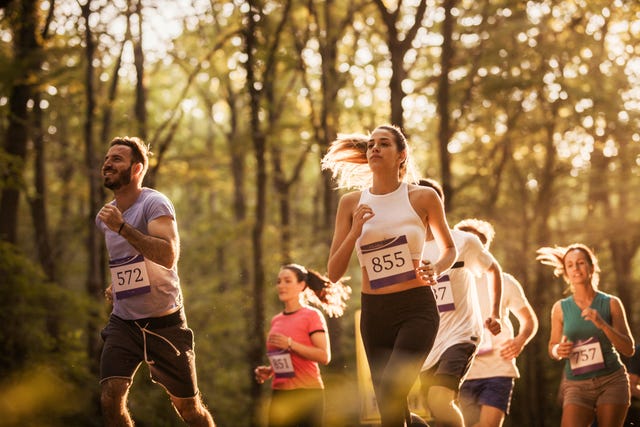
252	20
38	201
138	56
444	127
328	26
96	272
24	18
399	43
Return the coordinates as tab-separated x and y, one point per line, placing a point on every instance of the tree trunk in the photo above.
331	83
256	328
38	202
40	219
26	53
96	272
539	404
444	128
398	74
141	91
398	47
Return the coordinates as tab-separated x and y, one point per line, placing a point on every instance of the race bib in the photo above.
586	356
444	295
129	276
388	262
281	364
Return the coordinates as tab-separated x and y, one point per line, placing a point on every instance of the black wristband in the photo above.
121	226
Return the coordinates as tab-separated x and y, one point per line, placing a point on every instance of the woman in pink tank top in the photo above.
297	343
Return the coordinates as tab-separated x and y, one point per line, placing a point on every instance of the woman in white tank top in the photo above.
385	221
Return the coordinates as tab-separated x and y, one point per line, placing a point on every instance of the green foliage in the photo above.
44	378
42	395
10	165
25	298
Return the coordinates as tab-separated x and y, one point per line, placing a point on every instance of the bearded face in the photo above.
113	179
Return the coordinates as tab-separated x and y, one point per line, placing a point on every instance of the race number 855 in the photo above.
387	261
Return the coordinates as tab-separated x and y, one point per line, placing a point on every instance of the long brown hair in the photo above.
347	159
555	256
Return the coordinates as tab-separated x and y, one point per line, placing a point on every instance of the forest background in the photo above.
526	111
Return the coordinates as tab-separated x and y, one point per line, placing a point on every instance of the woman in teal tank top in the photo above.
589	330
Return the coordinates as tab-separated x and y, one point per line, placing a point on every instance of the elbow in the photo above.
628	351
495	269
453	252
534	328
448	257
529	319
171	263
326	359
333	277
170	260
333	273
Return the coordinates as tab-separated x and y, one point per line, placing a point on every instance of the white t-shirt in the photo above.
488	362
461	320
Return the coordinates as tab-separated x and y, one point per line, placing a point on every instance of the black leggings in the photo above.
398	331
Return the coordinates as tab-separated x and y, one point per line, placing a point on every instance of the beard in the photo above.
118	180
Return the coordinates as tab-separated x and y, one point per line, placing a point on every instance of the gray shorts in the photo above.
612	389
164	343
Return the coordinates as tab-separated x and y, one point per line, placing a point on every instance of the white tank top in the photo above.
394	217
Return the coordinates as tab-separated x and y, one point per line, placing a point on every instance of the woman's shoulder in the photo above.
354	194
351	198
423	193
607	298
563	302
308	310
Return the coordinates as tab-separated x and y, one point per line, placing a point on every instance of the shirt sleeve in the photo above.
158	205
317	322
477	258
513	294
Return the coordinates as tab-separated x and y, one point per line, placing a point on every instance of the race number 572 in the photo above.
129	276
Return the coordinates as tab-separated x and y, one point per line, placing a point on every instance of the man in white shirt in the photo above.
485	395
461	321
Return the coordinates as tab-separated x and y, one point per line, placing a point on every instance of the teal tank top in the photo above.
575	328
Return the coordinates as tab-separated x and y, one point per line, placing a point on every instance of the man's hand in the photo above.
493	325
111	216
108	294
